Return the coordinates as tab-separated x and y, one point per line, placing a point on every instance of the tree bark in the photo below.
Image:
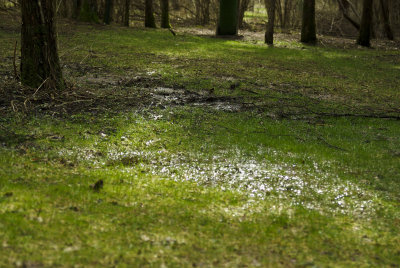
385	16
366	24
343	7
108	11
77	4
149	20
286	15
126	12
40	64
269	33
165	14
244	4
308	32
228	17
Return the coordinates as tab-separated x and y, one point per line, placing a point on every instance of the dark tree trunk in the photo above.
40	64
149	20
366	24
385	17
308	32
108	11
126	12
165	14
244	4
269	33
77	4
228	17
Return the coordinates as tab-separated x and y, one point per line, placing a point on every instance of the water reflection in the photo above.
284	184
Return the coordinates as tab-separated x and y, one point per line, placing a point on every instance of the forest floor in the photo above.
212	152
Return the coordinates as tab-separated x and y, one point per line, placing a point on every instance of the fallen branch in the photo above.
380	116
70	102
33	95
172	31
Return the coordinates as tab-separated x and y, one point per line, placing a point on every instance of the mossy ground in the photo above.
249	156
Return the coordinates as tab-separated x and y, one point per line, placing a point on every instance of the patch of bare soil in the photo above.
96	90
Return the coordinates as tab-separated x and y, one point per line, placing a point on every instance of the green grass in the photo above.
306	175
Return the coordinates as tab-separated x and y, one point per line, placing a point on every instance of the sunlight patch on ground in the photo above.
283	184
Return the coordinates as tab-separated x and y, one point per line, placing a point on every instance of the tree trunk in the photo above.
77	4
366	23
385	17
149	20
308	33
40	65
165	14
244	4
343	7
108	11
126	12
228	17
286	15
205	12
280	12
269	33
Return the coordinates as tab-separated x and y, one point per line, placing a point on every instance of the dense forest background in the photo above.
333	17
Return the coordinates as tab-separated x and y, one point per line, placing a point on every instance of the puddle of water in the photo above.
280	183
168	96
220	106
286	184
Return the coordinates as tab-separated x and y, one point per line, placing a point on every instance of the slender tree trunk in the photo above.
366	24
286	15
280	12
198	7
308	32
385	16
108	11
343	7
269	33
126	12
205	17
149	20
63	9
40	64
165	14
244	4
228	17
77	4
